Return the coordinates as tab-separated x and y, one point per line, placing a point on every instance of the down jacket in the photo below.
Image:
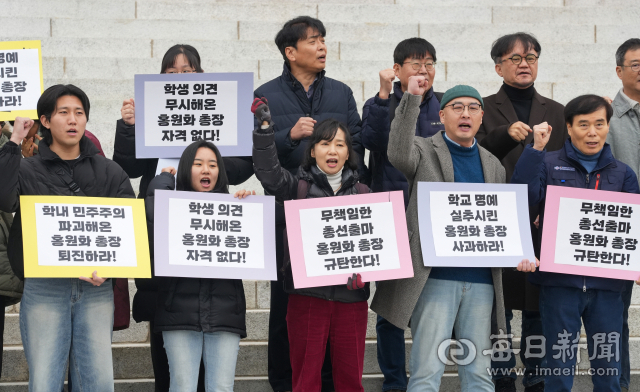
288	102
538	169
95	175
284	186
207	305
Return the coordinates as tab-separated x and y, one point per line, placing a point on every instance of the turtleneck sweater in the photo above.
335	180
521	99
589	162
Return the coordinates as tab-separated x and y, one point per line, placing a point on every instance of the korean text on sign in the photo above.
20	78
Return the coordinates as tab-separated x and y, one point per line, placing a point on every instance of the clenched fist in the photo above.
302	129
417	85
387	76
541	135
21	128
128	111
519	131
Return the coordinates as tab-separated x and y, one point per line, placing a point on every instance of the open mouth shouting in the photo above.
464	126
322	58
332	163
205	182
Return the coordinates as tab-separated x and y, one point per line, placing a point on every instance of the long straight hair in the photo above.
183	179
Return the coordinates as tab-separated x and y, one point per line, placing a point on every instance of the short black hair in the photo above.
505	44
586	104
327	130
192	55
413	48
183	178
48	102
630	44
296	30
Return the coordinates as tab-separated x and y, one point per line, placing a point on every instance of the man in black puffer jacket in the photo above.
299	98
62	318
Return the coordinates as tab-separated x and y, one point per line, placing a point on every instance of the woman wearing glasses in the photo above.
178	59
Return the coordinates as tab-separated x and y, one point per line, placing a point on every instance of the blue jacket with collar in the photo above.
538	169
375	137
288	102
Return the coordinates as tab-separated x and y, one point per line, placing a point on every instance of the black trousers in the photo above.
278	361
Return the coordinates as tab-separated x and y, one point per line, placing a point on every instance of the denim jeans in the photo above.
531	328
67	320
625	376
443	306
564	310
185	349
391	355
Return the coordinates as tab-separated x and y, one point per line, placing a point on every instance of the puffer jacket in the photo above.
10	285
538	169
288	102
207	305
377	115
238	169
284	186
96	176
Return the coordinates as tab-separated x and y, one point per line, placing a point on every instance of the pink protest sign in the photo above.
592	233
331	238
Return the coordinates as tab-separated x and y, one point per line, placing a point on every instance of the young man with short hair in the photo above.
438	300
510	116
62	319
298	99
624	140
569	301
413	56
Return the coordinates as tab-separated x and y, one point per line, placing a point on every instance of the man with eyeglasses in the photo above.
624	139
506	129
413	56
438	300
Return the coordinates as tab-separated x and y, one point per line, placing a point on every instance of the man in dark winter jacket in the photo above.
566	299
413	56
58	315
506	129
299	98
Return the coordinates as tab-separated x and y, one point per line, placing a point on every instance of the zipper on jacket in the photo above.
587	180
597	180
584	284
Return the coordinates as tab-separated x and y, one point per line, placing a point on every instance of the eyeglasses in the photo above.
417	66
179	72
634	67
458	108
517	59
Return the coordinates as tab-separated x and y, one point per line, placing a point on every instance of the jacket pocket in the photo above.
563	178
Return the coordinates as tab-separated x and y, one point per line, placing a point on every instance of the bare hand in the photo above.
527	266
387	76
94	279
609	100
128	111
241	194
417	85
519	131
21	128
536	222
303	128
28	146
541	135
169	169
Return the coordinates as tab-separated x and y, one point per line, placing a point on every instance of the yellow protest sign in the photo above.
70	236
21	80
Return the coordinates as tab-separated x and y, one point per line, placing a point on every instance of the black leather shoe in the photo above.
539	387
506	384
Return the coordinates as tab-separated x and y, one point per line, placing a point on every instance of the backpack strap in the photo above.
303	189
59	169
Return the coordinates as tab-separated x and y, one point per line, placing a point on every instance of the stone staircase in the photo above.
100	46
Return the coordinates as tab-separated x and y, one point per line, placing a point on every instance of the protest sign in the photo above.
174	110
21	82
70	236
331	238
474	225
593	233
214	235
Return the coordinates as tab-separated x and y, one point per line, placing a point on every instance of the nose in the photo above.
72	118
465	112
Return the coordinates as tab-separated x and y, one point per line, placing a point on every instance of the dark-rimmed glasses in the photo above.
458	108
517	59
416	66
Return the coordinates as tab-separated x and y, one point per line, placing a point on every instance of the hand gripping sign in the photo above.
593	233
331	238
69	237
174	110
214	235
21	82
474	225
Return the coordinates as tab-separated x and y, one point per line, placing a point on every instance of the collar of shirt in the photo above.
312	88
444	133
634	104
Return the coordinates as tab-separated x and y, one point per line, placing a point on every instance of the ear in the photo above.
44	121
441	116
619	72
313	152
290	52
498	68
569	129
396	69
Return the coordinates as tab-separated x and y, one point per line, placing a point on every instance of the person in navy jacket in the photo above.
566	300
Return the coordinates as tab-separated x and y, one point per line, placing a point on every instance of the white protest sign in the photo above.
20	79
